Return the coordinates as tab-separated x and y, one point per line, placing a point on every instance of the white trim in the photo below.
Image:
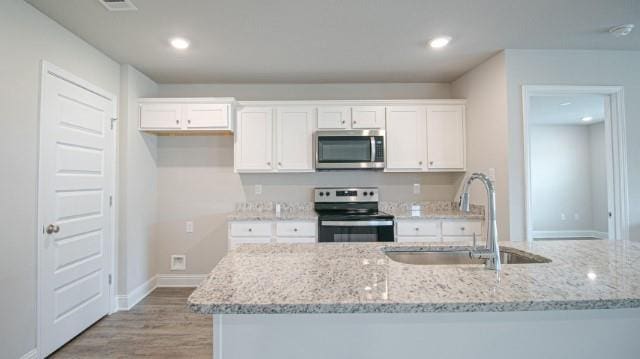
31	354
353	102
616	139
48	68
569	234
127	301
180	280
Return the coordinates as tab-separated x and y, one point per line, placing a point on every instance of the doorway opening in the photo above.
575	163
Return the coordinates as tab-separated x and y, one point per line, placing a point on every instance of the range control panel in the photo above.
333	194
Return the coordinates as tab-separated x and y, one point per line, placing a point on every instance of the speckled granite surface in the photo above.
359	278
430	210
265	211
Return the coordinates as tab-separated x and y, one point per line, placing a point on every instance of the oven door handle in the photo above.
373	148
371	223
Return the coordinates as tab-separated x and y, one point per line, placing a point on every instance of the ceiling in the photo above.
566	110
324	41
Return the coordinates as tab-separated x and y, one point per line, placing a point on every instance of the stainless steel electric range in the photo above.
351	215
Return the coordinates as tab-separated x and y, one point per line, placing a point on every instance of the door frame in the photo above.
615	142
47	69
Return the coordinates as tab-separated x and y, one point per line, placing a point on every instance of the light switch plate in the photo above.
257	189
178	262
416	188
189	226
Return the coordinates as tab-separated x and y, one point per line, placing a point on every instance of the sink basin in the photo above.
434	256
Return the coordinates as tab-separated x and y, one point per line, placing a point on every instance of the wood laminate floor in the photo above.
160	326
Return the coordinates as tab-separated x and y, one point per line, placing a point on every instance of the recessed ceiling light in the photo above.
440	42
565	104
179	43
587	119
621	30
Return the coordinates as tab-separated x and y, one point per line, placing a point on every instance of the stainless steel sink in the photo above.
452	257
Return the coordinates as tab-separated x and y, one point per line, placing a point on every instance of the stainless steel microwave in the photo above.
342	150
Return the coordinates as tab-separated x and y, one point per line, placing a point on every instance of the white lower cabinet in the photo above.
437	230
262	232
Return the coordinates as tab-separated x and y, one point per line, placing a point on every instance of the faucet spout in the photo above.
491	252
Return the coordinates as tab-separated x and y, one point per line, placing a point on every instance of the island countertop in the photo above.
360	278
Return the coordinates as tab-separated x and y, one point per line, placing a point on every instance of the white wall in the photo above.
28	37
137	185
561	178
571	67
598	176
485	88
196	179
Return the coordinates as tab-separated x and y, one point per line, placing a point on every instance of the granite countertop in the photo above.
430	210
266	211
360	278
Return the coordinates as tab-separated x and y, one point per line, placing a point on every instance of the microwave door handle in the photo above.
373	148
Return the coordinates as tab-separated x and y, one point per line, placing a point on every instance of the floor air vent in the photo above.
118	5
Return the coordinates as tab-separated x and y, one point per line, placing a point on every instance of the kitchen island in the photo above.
351	300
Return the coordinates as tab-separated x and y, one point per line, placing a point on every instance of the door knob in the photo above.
53	228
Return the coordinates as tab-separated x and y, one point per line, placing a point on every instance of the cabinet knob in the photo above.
420	163
343	122
295	229
279	163
431	162
250	230
462	229
188	121
354	122
417	229
177	122
268	163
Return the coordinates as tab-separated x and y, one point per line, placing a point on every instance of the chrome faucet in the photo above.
491	252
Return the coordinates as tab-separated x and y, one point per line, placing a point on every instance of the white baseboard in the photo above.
32	354
570	234
127	301
180	280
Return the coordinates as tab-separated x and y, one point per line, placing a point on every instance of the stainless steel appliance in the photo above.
351	215
341	150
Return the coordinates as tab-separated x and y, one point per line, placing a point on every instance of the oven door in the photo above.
350	149
376	230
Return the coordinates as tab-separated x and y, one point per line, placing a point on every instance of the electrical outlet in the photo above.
189	226
178	262
563	217
257	189
416	188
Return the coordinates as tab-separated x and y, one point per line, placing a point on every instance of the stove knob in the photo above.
365	193
327	193
371	193
321	194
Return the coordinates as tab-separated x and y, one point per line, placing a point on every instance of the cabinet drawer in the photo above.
468	239
419	228
234	242
432	239
296	240
296	229
250	229
461	228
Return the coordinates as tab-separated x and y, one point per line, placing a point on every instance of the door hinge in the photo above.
113	120
110	201
109	279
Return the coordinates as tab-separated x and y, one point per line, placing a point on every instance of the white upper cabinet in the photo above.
294	138
334	117
160	116
207	116
368	117
253	140
178	115
406	138
445	137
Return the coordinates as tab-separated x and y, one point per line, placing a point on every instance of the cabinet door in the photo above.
332	117
162	116
406	138
207	116
367	117
294	138
253	141
445	137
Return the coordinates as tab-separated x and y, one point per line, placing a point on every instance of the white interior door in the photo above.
74	209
